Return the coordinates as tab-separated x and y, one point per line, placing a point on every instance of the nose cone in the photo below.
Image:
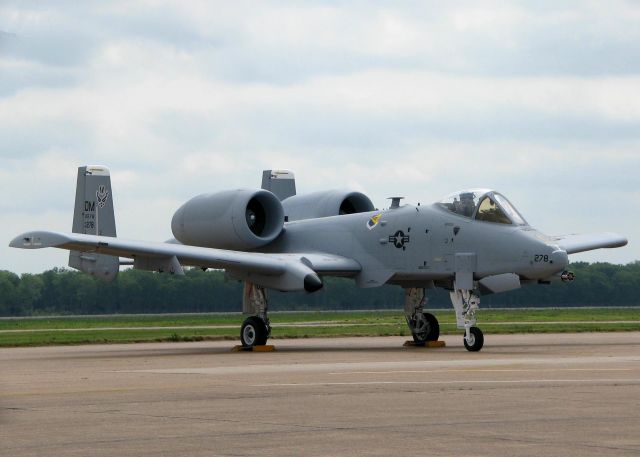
559	259
550	261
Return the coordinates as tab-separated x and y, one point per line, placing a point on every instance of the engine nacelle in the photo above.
234	219
325	204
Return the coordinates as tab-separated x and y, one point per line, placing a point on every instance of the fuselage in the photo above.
424	243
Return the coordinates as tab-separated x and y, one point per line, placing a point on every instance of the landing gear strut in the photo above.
466	303
424	326
255	329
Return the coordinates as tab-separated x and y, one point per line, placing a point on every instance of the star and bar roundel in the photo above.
399	239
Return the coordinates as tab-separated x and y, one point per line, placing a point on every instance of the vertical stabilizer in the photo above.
93	215
281	183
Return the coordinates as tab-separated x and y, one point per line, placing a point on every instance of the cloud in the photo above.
418	99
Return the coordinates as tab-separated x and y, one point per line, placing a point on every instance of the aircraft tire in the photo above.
477	340
434	327
253	332
432	334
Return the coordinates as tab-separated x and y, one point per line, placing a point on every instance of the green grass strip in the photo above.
125	329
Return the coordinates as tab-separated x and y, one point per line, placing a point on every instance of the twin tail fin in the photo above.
93	215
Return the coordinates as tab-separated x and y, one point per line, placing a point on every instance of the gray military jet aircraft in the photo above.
471	243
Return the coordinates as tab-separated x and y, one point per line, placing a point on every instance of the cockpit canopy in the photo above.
483	205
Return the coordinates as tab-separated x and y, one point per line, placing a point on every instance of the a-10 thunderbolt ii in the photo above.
471	243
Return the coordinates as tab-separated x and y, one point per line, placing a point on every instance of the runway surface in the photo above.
524	395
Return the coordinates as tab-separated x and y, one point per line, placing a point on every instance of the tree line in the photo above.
66	292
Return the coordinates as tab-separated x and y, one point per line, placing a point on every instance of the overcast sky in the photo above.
540	100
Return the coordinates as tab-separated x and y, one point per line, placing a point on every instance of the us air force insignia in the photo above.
373	222
102	194
399	239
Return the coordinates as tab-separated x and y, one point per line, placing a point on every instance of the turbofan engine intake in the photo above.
237	219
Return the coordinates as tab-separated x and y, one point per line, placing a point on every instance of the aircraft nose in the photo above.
560	259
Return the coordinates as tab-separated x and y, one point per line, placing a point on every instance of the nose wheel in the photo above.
466	304
473	339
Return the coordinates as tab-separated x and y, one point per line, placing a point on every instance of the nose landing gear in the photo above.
473	339
466	304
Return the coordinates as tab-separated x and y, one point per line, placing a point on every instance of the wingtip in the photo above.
23	241
618	240
37	240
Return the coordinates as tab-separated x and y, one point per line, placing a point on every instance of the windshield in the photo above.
488	211
513	213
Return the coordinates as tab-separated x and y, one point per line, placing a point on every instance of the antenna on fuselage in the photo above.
395	202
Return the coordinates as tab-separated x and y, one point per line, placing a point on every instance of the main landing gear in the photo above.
466	303
424	326
255	329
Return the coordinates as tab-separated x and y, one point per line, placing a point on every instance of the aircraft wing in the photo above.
580	243
278	271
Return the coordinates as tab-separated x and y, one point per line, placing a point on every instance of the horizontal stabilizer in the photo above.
167	264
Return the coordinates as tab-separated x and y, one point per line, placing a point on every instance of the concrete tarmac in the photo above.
522	395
